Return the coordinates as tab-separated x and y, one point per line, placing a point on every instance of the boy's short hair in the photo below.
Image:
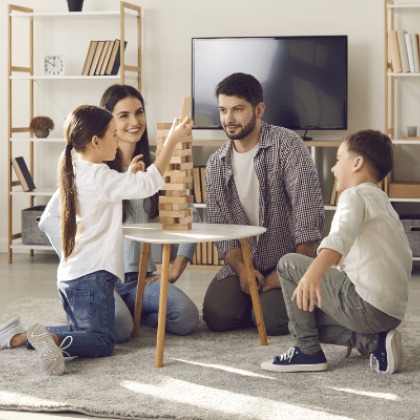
242	85
376	149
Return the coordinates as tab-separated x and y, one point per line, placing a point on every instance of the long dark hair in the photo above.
81	126
110	98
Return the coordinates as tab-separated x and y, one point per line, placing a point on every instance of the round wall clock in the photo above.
53	65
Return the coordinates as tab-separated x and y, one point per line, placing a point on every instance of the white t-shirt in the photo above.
247	183
377	257
99	238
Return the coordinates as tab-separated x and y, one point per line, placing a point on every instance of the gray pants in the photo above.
345	319
226	307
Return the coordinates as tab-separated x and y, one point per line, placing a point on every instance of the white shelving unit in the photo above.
21	137
398	88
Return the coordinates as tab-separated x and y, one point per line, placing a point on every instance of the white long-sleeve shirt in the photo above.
376	255
100	191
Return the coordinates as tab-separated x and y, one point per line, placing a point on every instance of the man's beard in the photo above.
244	131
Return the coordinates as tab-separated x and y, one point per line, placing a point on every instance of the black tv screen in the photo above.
304	78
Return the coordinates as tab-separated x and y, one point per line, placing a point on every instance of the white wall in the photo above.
168	27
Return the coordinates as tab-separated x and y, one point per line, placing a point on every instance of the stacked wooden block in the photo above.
174	213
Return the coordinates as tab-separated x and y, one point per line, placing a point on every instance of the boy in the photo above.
360	302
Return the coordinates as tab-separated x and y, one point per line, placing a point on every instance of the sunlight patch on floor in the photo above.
380	395
24	400
225	368
227	402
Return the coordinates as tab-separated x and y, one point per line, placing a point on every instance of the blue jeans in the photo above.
90	308
344	319
181	313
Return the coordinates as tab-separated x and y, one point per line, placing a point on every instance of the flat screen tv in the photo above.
304	78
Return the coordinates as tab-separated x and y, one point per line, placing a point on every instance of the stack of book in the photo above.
404	51
206	254
199	176
23	174
103	58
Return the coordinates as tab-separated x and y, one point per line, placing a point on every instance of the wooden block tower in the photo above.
174	213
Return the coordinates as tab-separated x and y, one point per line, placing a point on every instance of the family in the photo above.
349	288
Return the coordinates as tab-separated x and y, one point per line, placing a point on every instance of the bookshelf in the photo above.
402	90
24	76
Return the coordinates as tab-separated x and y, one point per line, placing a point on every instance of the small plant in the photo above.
41	123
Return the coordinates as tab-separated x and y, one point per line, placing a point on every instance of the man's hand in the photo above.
272	281
243	279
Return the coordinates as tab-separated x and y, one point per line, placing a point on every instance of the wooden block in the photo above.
177	179
186	107
172	206
175	220
180	166
164	199
176	226
178	187
177	213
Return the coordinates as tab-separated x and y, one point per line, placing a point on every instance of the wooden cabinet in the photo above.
28	86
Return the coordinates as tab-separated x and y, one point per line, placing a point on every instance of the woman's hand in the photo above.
137	165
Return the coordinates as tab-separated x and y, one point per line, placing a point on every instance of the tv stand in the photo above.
305	137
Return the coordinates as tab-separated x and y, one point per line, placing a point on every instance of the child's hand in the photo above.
180	130
308	293
137	165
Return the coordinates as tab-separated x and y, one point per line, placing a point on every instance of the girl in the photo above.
91	197
127	106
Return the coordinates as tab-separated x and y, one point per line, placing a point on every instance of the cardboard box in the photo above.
404	190
31	233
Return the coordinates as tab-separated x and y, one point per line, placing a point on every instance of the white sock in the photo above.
9	330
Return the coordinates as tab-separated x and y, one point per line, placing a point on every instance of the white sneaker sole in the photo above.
315	367
394	353
51	356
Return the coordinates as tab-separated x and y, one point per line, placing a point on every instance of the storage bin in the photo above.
31	233
412	229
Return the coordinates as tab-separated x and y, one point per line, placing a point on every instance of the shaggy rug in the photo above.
206	376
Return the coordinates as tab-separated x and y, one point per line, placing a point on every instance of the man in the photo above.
263	176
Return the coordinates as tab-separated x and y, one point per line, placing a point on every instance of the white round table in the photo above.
152	233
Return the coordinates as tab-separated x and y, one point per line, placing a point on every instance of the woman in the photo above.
127	107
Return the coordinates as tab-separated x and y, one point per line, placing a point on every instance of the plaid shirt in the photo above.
290	200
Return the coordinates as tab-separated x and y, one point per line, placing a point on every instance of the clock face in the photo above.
54	65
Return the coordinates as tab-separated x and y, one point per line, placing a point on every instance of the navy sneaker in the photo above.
294	360
388	356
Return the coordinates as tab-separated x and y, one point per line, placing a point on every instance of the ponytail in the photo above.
81	126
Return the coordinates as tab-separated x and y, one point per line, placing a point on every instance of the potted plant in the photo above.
41	126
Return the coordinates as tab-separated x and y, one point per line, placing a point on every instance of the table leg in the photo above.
255	297
141	280
163	298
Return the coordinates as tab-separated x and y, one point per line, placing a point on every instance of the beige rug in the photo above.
206	376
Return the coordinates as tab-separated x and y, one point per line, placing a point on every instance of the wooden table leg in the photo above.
141	280
255	297
163	298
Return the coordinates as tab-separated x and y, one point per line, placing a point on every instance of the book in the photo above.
23	174
415	45
394	51
403	51
197	184
409	52
89	58
114	60
102	58
333	196
96	57
108	47
203	182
